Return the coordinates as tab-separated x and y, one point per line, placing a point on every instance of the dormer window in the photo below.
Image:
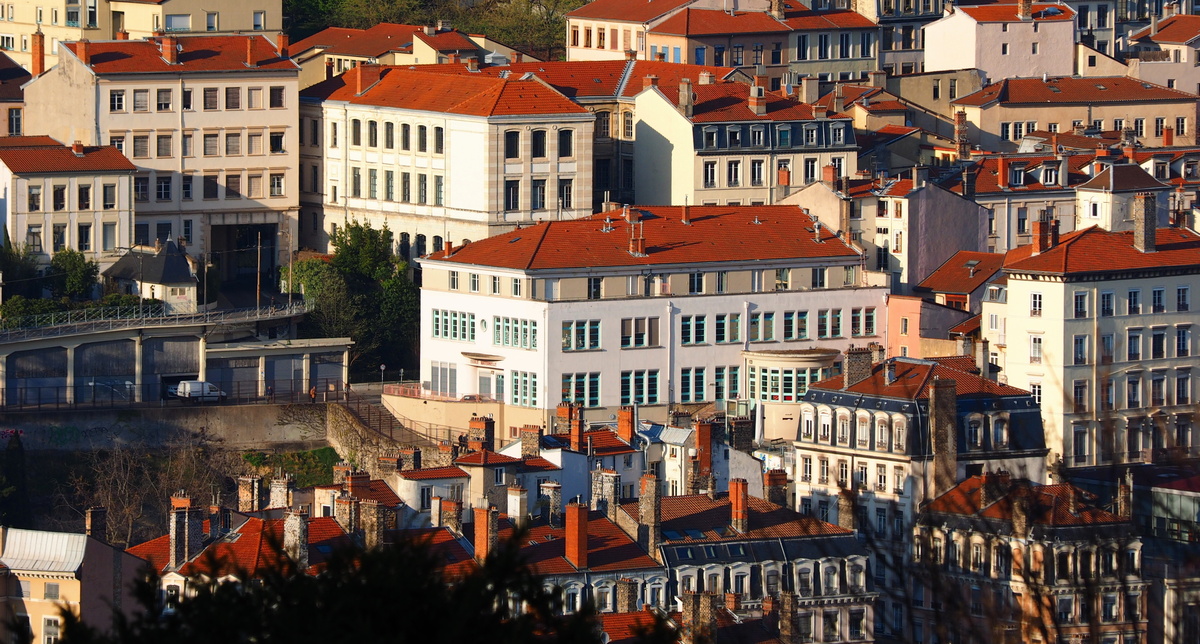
1016	176
758	136
1162	170
735	136
1050	176
710	138
839	135
810	135
783	136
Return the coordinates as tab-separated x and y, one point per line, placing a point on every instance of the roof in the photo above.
196	54
967	326
1178	29
1067	89
430	473
987	178
603	441
486	457
454	560
379	490
380	39
608	548
964	272
1123	177
730	101
12	77
1095	250
627	10
1048	505
1072	141
715	234
625	628
912	381
1008	12
41	551
804	19
169	265
695	518
42	154
537	464
431	91
711	22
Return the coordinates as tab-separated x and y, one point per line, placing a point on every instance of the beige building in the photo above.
211	124
1003	40
441	158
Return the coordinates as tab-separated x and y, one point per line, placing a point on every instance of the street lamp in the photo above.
382	367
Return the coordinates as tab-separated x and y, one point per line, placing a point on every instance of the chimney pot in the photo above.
473	64
630	54
37	63
739	505
282	43
77	148
251	61
577	535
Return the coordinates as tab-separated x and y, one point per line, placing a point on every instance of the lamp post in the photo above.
382	367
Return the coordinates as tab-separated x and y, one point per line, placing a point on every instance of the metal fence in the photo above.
78	316
107	394
115	318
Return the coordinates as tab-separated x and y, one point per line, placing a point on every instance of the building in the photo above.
921	328
731	143
998	114
607	29
1003	40
1164	53
12	96
165	273
1103	337
211	124
441	158
57	197
961	282
795	287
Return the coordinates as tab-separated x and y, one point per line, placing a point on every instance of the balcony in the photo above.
72	23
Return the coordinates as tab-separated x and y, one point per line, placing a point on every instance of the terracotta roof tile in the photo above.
1094	250
730	101
627	10
967	326
1072	141
453	558
1178	29
711	22
609	548
198	54
912	379
987	181
56	157
1070	90
606	442
696	514
806	20
623	628
380	491
434	473
964	272
1122	177
1048	505
486	457
1008	12
715	234
537	464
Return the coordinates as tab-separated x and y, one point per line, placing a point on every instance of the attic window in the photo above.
1050	176
685	553
694	534
1055	89
1100	87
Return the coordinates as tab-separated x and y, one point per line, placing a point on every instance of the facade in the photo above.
165	273
662	305
12	97
1164	53
56	197
440	158
211	124
920	328
1003	40
733	144
1103	337
961	282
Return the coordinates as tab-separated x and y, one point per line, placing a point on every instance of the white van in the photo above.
199	391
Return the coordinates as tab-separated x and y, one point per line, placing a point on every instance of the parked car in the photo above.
199	391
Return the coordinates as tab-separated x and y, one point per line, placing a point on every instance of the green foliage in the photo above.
364	14
314	467
20	266
360	250
255	459
18	306
72	274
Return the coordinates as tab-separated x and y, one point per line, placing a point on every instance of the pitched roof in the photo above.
430	473
196	54
730	101
1178	29
42	551
695	518
964	272
168	265
711	22
1048	505
987	177
1123	177
912	378
537	464
1072	141
43	155
1071	90
715	234
379	490
967	326
12	77
608	547
448	551
1008	12
627	10
415	88
486	457
804	19
1095	250
625	628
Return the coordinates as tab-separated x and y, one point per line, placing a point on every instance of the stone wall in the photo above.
356	444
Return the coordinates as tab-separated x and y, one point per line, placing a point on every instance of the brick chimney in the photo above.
83	49
1020	515
626	596
606	486
281	491
1145	221
626	424
251	59
686	99
37	43
775	485
250	493
577	441
483	429
473	64
451	515
706	78
282	43
943	421
787	617
373	521
856	366
630	54
77	148
1002	171
487	531
518	57
699	617
96	523
758	99
650	515
649	80
170	50
518	506
186	531
739	505
829	175
577	535
1024	9
1045	235
295	538
122	35
553	493
704	446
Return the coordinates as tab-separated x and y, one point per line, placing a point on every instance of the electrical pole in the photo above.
258	288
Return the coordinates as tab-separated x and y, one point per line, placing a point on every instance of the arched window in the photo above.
373	134
405	245
1000	432
602	124
437	243
355	132
405	136
628	118
420	251
831	585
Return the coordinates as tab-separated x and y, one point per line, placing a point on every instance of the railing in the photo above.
187	319
84	315
121	392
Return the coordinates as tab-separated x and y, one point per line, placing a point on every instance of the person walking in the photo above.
312	394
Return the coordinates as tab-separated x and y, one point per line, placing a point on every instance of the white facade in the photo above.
1003	47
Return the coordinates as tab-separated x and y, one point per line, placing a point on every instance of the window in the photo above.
537	195
1158	341
1106	305
141	147
1183	342
524	390
512	194
564	193
163	145
277	185
692	329
1158	298
512	145
710	174
163	189
1133	392
580	335
211	145
691	385
1081	301
51	627
639	332
233	98
733	174
761	327
1035	305
1035	349
727	328
455	325
639	387
566	143
14	121
1134	345
116	100
1080	350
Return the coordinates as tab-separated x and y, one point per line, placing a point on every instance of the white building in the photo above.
653	307
439	157
1003	40
209	121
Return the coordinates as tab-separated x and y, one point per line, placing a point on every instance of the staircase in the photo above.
377	418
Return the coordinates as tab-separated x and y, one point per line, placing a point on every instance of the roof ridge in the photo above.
538	247
626	74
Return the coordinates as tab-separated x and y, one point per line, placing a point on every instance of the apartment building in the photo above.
606	29
666	304
211	124
57	197
12	97
1004	40
440	157
731	143
901	22
1097	324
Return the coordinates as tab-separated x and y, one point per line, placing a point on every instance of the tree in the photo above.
72	274
364	14
20	267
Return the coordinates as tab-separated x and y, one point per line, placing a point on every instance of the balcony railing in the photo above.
1035	313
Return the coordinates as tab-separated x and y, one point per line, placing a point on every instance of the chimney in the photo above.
186	536
626	424
943	421
281	491
846	505
684	215
1020	516
1145	222
787	617
281	43
449	248
1045	235
37	63
890	372
1072	499
739	505
250	493
451	515
856	366
251	60
989	490
968	184
531	441
637	246
775	484
563	413
839	98
295	538
1125	496
733	602
435	512
661	56
630	54
878	352
170	49
483	429
758	99
704	446
1024	9
577	442
577	536
122	35
650	515
358	79
443	25
409	458
706	78
649	80
518	506
430	30
518	57
345	512
829	175
777	9
455	58
487	521
84	51
328	69
810	89
878	79
626	596
699	617
553	493
685	97
96	523
920	176
606	492
1153	23
219	519
1002	172
77	148
981	358
473	64
373	522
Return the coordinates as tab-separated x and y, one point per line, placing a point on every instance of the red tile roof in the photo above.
711	518
54	157
965	364
715	234
624	628
486	457
912	380
968	326
455	561
1095	250
730	101
804	19
1072	141
1008	12
38	141
606	442
430	91
1178	29
434	473
627	10
379	490
381	39
198	54
987	178
712	22
537	464
608	547
1069	90
964	272
447	41
1122	177
1049	505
